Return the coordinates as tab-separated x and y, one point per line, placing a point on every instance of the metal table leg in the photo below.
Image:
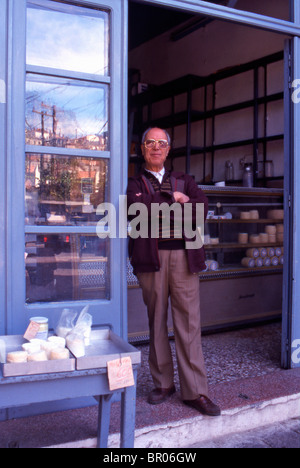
128	415
103	420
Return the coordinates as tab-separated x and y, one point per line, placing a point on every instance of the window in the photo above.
64	190
67	152
66	113
67	37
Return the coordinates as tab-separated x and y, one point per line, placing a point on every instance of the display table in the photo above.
25	390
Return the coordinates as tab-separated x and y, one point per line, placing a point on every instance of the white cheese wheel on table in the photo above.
59	353
16	356
40	356
58	340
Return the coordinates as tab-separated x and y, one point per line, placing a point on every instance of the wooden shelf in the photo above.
242	191
245	221
234	271
233	245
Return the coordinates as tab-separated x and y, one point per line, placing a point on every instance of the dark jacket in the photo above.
143	253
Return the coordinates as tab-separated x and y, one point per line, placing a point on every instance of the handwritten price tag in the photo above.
120	373
32	330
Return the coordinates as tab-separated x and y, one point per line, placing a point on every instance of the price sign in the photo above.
120	373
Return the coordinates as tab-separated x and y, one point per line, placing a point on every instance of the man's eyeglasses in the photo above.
161	143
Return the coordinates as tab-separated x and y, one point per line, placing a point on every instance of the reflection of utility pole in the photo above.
44	114
54	122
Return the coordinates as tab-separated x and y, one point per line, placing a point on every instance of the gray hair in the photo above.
150	128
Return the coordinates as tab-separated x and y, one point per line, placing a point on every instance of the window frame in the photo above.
112	311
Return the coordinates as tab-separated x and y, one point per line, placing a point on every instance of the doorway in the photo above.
218	88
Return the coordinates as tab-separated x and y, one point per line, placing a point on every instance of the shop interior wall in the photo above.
215	47
276	9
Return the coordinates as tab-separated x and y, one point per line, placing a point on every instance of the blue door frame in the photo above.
14	313
291	312
3	106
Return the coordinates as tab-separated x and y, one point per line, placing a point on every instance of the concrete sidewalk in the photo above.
246	404
277	435
245	380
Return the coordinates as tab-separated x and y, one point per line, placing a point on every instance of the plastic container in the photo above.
212	265
42	334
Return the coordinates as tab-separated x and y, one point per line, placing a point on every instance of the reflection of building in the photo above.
48	138
33	172
91	142
34	137
49	173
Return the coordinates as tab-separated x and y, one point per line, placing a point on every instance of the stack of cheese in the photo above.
275	233
275	214
40	350
258	257
252	214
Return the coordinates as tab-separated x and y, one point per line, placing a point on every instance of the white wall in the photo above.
217	46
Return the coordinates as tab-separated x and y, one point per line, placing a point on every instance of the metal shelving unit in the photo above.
142	104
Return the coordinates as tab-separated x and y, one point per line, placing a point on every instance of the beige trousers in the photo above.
174	280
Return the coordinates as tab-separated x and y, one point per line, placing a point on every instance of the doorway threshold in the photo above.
231	355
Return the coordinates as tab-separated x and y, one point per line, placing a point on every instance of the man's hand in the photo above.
180	197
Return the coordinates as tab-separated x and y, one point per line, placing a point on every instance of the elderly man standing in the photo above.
166	268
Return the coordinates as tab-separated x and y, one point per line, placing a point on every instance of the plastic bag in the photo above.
75	343
84	325
79	337
66	323
77	334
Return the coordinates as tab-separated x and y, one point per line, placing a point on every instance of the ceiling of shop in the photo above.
147	21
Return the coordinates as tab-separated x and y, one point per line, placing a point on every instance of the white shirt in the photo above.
159	175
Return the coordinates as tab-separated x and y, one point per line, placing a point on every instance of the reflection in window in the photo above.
66	114
68	37
66	267
64	190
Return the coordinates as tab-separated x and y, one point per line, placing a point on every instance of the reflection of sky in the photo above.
74	42
81	110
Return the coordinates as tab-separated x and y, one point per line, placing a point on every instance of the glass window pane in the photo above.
66	267
64	190
67	114
74	39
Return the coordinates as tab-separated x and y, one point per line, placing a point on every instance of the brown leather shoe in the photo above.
159	395
204	405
